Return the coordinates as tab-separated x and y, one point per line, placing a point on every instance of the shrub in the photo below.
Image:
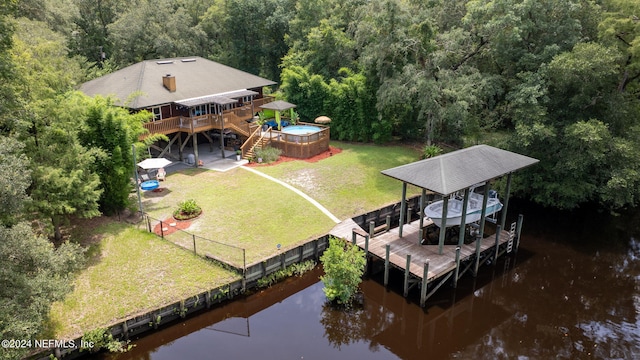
430	151
187	209
343	267
102	339
268	154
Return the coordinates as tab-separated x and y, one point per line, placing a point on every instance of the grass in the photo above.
239	208
130	272
349	183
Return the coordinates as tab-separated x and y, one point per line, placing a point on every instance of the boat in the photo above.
454	208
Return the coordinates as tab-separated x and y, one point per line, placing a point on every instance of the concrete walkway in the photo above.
305	196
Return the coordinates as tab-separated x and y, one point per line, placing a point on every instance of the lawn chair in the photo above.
160	176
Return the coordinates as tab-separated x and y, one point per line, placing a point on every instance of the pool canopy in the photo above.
278	105
458	170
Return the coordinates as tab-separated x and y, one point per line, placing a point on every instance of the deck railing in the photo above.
237	117
302	146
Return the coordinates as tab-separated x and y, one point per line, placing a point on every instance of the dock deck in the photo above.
439	264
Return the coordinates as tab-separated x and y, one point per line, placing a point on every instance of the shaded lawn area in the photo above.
349	183
240	209
130	272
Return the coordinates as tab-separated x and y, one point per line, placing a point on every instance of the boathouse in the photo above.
442	177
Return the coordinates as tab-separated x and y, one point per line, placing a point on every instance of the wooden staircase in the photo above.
257	140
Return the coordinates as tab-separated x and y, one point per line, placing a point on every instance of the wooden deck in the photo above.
439	264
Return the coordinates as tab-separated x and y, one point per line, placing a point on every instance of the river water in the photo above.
572	292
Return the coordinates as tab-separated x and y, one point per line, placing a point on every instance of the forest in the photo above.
555	80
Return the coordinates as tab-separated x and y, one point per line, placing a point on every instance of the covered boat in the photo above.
454	208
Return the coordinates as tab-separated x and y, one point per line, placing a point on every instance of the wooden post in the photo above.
403	206
386	265
388	222
195	145
194	244
409	210
125	330
353	236
518	230
425	280
423	195
443	225
179	134
463	220
457	274
161	229
407	274
503	219
366	253
483	217
366	245
372	228
495	256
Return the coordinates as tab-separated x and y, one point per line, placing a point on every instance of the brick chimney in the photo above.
169	82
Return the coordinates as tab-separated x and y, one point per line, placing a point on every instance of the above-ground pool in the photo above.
300	129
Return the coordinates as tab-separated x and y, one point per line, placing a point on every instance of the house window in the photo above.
157	113
216	109
199	110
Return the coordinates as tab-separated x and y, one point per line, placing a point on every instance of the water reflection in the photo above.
572	292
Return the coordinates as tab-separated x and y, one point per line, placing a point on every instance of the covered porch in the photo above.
207	117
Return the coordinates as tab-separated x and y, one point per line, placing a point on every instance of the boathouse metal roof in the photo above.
461	169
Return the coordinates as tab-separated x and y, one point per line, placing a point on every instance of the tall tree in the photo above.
112	130
63	183
154	29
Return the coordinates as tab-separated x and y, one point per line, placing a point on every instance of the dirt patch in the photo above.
167	229
332	151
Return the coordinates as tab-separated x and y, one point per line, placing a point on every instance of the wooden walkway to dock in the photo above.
439	264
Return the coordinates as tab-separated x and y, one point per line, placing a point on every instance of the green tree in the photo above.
33	275
154	29
343	265
63	183
15	179
112	130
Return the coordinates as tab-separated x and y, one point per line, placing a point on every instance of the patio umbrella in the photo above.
322	120
154	163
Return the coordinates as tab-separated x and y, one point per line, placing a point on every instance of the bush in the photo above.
343	267
268	154
187	209
430	151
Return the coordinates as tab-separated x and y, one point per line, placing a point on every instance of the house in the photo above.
189	97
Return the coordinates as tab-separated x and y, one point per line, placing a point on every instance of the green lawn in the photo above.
241	209
131	271
349	183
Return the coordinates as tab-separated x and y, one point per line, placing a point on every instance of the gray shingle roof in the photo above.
458	170
195	77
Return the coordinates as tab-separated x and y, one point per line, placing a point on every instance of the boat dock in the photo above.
424	264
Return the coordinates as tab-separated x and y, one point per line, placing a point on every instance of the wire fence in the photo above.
225	254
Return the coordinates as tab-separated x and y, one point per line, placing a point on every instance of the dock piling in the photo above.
495	256
425	280
518	230
457	274
386	265
407	275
